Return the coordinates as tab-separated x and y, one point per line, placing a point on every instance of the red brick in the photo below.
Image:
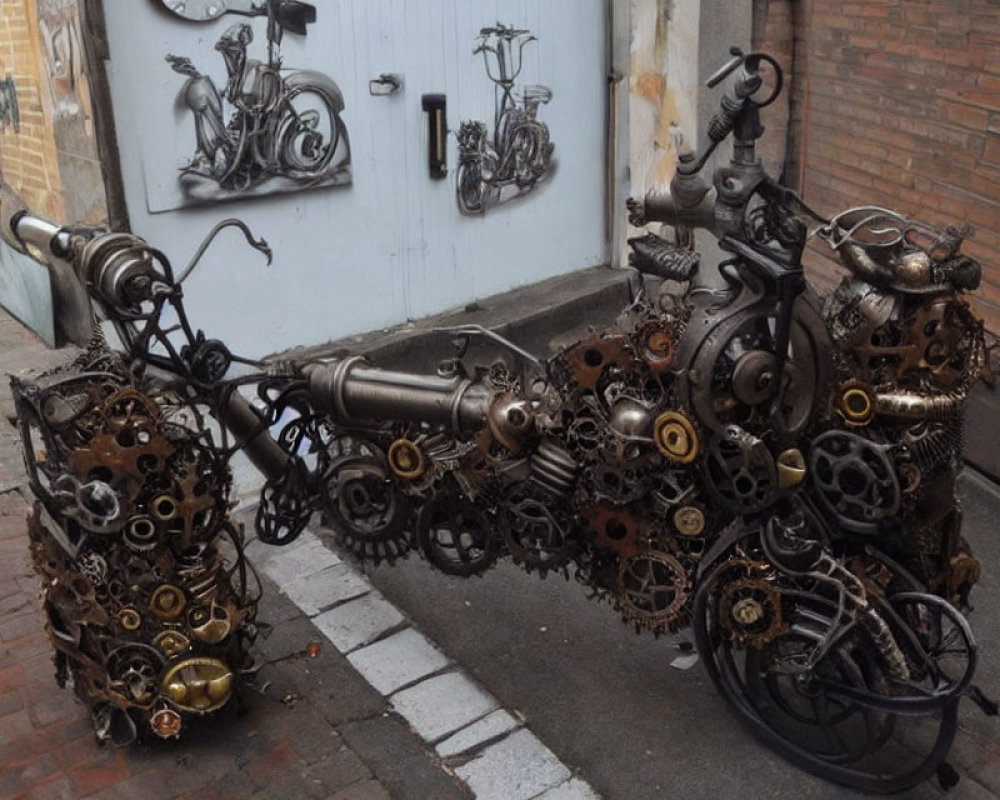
279	759
991	151
105	772
965	115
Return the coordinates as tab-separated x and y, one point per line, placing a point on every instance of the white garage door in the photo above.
363	236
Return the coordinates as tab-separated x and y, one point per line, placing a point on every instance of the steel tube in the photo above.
244	423
352	390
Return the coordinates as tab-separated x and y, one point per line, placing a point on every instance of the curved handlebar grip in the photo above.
20	228
12	208
720	74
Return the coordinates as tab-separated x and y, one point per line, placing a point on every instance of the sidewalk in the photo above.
318	730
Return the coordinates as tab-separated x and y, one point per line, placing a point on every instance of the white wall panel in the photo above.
392	245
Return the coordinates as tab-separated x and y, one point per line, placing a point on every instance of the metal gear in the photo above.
536	527
456	536
750	611
366	509
652	591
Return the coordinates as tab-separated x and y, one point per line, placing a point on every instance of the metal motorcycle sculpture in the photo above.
519	153
776	472
284	123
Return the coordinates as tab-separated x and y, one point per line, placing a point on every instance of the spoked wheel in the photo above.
799	713
456	536
472	189
365	508
309	134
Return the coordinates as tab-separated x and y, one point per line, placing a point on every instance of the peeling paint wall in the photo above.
675	45
663	83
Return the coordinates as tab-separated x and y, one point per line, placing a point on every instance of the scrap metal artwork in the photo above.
285	131
148	599
507	162
773	469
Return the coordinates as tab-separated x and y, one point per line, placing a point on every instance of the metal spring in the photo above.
553	468
941	445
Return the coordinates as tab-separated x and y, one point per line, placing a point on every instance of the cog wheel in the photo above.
366	509
536	528
750	611
676	437
133	670
653	590
456	536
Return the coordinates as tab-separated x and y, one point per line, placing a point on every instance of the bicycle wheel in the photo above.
309	133
795	712
470	188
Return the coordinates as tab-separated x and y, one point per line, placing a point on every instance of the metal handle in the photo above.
388	83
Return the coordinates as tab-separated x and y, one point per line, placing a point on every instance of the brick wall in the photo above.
897	103
28	156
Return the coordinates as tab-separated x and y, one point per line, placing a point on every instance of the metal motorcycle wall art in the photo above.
270	128
495	167
773	469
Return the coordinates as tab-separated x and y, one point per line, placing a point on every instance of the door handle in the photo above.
386	84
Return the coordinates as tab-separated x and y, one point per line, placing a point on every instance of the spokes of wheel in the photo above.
829	718
365	508
456	536
309	134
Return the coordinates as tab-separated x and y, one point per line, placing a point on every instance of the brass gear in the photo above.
406	459
676	437
856	402
750	610
689	521
653	590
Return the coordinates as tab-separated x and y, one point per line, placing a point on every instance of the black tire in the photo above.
844	741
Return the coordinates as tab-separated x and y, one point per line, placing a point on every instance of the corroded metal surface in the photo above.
775	470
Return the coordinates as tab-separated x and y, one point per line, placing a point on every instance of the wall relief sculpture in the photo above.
495	166
772	469
270	128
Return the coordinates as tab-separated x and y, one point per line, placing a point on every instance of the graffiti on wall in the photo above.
495	167
268	129
64	70
10	114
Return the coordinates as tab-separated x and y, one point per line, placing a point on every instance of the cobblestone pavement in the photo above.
319	730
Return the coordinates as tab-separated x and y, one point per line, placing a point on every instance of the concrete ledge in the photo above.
537	318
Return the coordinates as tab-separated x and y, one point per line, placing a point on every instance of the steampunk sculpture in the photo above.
775	470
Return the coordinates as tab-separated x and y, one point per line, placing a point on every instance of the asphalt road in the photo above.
609	704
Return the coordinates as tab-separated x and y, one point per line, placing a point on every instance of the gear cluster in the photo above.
147	595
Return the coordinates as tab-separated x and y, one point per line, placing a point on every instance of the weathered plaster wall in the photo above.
663	75
676	44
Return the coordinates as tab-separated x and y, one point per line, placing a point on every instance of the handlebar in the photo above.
726	69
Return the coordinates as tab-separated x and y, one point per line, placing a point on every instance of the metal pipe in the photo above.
244	423
913	405
351	390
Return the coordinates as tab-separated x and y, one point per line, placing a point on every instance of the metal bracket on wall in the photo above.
437	133
388	83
